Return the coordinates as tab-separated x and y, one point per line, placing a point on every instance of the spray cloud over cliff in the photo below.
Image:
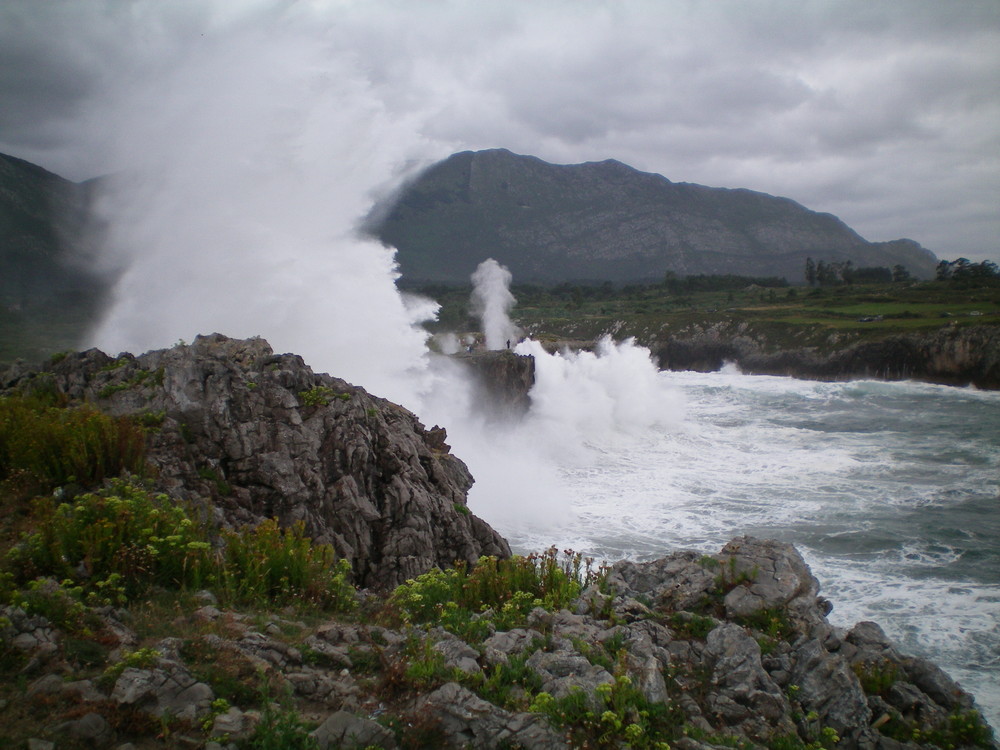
243	163
243	160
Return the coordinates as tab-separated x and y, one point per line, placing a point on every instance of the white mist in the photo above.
492	302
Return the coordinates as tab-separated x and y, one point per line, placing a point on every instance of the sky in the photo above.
886	114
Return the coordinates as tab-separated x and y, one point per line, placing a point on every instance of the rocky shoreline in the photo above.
734	647
692	651
952	355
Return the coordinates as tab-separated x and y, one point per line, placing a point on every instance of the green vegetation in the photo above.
466	600
44	444
321	395
876	677
960	729
781	317
113	545
618	715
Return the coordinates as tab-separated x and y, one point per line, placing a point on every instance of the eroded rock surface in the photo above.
263	436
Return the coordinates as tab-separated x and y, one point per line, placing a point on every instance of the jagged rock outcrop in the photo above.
605	221
952	355
263	436
503	381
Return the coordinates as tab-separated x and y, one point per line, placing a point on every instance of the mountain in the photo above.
605	221
48	285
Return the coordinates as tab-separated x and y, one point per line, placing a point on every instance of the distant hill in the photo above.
605	221
49	289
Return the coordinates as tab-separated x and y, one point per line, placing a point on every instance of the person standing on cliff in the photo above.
508	343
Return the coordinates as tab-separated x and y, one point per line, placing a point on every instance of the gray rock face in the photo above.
167	689
745	695
263	436
343	729
468	721
503	381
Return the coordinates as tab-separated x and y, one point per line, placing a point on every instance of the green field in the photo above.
785	316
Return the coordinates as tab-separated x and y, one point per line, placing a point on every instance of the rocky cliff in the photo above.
952	355
263	436
503	381
607	221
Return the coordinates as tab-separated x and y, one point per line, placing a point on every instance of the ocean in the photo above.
889	490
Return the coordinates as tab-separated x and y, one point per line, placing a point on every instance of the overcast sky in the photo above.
884	113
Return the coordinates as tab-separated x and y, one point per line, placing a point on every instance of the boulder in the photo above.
467	721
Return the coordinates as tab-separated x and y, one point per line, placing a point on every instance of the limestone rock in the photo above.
264	436
468	721
343	729
745	694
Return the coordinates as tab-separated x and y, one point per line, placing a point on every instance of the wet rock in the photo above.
503	381
457	654
565	671
499	647
938	686
164	691
234	724
778	578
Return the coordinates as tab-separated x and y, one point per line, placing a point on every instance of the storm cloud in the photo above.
886	114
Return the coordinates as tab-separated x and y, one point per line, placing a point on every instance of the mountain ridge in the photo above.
600	221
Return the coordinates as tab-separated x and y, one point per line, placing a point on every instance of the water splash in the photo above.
492	302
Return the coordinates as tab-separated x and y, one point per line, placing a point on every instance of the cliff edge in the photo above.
263	436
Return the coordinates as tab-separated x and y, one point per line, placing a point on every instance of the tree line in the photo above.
821	273
964	269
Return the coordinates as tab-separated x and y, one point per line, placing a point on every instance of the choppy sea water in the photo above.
891	491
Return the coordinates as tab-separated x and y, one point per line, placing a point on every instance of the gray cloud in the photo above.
887	114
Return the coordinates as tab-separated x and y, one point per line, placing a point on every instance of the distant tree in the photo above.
899	273
846	272
827	273
965	270
810	272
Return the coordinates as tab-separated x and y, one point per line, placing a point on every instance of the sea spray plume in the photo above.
246	160
492	301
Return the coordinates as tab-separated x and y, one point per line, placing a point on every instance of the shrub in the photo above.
123	539
280	728
121	536
621	717
876	677
321	395
59	603
504	590
270	565
56	446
